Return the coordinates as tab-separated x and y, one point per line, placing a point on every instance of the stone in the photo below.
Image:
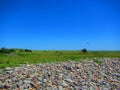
68	80
77	88
60	88
7	69
84	76
68	75
91	88
96	88
49	88
64	84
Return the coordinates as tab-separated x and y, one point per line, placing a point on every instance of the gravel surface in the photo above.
95	74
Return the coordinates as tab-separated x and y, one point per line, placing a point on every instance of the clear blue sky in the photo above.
60	24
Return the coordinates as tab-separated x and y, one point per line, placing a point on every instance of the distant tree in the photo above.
30	50
12	50
45	51
27	50
56	51
84	50
4	50
21	50
0	50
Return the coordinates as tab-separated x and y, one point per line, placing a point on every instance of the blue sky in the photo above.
60	24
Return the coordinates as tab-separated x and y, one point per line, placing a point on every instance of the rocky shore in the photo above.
69	75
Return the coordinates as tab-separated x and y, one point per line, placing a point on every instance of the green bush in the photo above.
84	50
12	50
27	50
21	50
4	50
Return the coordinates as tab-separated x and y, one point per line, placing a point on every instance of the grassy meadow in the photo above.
17	58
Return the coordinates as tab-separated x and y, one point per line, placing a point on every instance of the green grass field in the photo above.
17	58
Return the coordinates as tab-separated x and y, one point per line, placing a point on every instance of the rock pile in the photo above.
70	75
